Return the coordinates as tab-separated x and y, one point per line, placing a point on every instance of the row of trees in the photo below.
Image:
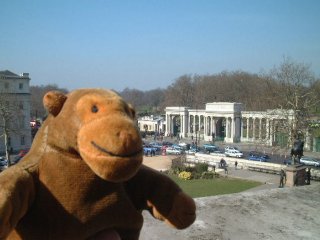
289	86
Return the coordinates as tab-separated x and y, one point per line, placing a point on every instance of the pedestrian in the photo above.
235	165
283	178
153	152
308	176
222	162
225	169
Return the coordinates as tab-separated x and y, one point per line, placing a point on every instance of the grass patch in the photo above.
210	187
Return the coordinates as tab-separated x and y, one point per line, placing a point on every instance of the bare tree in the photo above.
9	120
295	97
181	92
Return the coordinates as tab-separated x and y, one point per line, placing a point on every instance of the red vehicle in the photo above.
23	152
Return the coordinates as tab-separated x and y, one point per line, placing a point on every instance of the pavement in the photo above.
263	212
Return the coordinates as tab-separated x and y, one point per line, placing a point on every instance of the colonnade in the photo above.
230	126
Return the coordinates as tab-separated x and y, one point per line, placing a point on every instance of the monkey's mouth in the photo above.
104	150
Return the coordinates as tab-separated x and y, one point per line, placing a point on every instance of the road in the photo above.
276	154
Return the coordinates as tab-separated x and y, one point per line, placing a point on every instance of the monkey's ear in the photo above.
132	111
53	101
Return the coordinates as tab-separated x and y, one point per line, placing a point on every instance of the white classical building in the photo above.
225	121
151	124
15	96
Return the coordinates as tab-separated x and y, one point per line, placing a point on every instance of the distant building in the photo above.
225	121
15	95
151	124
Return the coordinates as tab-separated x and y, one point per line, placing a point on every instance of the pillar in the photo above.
253	128
248	127
260	126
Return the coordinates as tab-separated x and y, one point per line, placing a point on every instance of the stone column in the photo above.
205	126
238	131
241	127
167	125
253	128
194	123
214	126
181	126
233	135
260	126
227	127
170	130
189	126
267	129
248	127
184	123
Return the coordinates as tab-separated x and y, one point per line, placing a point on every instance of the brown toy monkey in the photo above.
83	177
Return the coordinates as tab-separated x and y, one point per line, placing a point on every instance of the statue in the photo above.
297	151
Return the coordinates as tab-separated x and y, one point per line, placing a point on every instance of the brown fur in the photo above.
84	177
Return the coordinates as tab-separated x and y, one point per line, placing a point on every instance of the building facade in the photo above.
151	124
15	102
226	122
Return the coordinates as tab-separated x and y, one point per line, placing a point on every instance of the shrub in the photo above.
201	167
185	175
209	175
196	175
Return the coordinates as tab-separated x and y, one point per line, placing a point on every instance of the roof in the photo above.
8	73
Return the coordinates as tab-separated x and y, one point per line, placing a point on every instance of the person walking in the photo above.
283	178
235	165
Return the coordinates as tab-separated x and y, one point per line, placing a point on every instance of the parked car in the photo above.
265	158
23	152
227	148
178	147
183	145
310	161
172	150
260	158
210	148
3	163
16	159
193	150
156	145
149	150
164	143
218	153
234	153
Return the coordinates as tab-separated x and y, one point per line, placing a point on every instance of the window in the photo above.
21	122
20	86
21	105
22	140
6	85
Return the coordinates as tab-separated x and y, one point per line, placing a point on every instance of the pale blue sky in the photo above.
146	44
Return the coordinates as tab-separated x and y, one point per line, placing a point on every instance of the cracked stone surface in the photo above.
266	212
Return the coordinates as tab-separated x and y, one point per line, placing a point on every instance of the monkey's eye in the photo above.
94	109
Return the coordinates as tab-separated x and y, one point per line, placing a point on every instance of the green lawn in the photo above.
216	186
